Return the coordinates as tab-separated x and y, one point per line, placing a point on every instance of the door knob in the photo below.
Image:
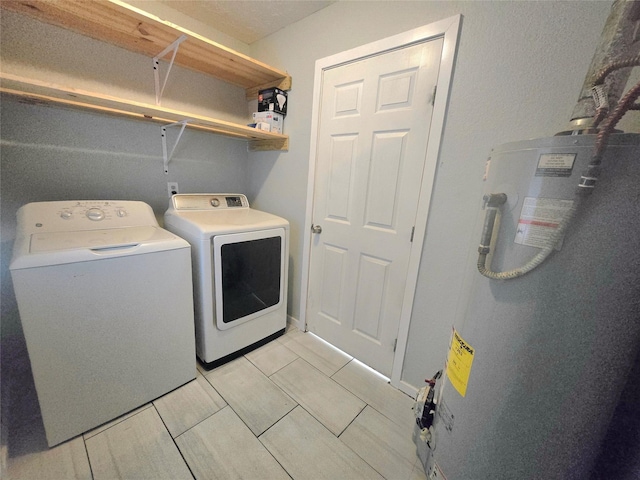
316	229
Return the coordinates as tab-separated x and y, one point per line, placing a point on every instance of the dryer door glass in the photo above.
251	277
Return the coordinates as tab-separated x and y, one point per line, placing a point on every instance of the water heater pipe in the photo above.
620	39
599	93
627	103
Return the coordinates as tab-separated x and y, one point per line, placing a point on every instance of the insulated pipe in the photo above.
620	39
627	103
598	90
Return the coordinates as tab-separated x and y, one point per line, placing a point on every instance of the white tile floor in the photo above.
295	408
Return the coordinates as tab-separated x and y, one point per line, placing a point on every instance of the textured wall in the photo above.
519	70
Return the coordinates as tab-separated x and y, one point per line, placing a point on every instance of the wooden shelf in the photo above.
120	24
41	92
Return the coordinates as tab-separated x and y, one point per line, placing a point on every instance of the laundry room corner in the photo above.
52	153
401	116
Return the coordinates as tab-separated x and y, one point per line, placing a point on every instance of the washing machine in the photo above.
240	262
105	300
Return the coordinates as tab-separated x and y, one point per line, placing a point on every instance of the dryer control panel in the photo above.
211	201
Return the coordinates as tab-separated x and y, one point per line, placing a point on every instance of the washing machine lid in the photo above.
70	231
57	248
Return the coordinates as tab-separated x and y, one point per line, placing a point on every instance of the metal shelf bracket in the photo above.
156	63
167	156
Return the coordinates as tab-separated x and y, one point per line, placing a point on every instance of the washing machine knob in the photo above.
66	214
215	202
121	212
95	214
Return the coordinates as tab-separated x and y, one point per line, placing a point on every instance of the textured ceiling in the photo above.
247	20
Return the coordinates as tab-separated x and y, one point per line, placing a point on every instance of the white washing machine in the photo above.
240	262
106	305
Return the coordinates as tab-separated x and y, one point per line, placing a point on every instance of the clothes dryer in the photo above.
105	300
240	260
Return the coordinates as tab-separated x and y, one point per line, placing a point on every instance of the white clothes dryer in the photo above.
105	300
240	259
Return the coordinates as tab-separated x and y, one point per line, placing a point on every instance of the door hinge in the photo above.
433	95
395	344
413	230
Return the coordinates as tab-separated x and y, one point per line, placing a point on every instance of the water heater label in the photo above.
459	363
555	164
539	219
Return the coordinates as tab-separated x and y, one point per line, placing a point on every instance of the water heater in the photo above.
537	362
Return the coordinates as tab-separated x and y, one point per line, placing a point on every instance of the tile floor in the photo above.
295	408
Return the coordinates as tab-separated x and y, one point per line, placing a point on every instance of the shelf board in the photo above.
126	26
40	92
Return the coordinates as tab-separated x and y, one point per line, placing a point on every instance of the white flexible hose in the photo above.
541	256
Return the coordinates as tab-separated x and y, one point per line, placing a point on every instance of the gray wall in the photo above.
518	73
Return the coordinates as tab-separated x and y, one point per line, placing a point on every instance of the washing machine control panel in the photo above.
94	211
89	215
211	202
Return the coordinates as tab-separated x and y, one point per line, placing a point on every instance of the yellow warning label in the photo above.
459	363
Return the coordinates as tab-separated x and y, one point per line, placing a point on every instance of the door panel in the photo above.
340	176
333	281
375	115
370	293
383	183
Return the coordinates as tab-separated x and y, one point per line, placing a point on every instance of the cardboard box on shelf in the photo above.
275	120
272	100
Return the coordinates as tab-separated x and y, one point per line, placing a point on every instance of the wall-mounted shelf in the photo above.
120	24
41	92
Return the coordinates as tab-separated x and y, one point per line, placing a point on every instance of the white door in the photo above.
374	124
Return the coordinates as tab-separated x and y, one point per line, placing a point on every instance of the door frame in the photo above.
447	29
